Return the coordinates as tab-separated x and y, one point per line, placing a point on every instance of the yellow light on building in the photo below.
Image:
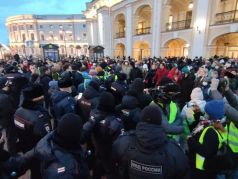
190	6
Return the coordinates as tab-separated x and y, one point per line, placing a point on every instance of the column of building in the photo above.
129	27
104	30
200	27
156	27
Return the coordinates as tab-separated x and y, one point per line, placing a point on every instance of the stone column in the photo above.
129	31
104	30
200	26
156	27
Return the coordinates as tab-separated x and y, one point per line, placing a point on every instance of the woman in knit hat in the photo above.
205	142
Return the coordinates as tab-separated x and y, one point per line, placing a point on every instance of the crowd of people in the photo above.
162	118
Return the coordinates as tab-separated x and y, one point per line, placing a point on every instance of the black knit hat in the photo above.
106	102
33	91
152	114
69	127
95	83
138	85
65	83
68	131
122	77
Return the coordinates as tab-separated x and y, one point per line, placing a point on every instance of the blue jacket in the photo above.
63	103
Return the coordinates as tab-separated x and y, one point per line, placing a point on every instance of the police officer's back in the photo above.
104	127
89	100
59	154
62	100
32	121
148	153
119	87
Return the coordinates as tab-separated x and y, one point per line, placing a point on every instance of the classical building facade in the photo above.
28	33
141	28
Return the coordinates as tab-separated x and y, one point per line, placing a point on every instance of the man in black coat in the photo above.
58	154
62	100
104	127
148	153
7	110
119	87
135	72
89	99
44	81
137	87
31	120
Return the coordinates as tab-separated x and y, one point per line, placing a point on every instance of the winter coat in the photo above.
126	70
88	102
55	162
186	87
129	111
32	123
149	83
135	73
63	103
208	149
175	76
150	141
7	109
104	127
159	75
119	89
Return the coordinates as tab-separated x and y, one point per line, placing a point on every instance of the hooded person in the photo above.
138	86
145	148
32	121
104	127
205	142
62	100
58	154
197	102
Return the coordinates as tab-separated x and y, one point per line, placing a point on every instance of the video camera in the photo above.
168	91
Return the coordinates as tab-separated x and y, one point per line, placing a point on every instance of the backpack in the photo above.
146	165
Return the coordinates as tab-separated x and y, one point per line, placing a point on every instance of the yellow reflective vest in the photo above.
199	158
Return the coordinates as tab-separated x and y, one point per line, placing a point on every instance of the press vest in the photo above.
200	159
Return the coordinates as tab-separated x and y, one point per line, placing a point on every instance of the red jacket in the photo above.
175	76
159	75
